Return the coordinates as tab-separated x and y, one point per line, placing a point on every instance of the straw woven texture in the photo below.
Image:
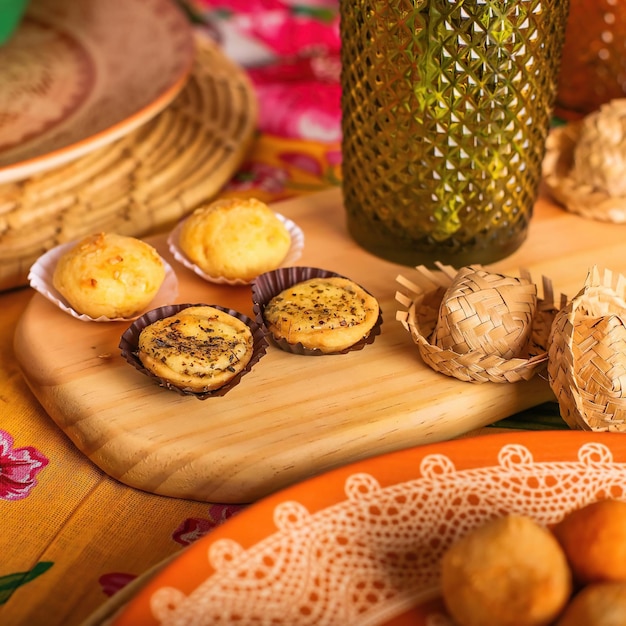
475	325
585	164
587	355
141	183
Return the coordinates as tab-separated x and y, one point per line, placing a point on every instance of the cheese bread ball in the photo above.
594	540
235	239
327	314
509	572
201	348
599	604
109	275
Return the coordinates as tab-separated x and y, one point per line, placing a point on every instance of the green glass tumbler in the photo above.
446	107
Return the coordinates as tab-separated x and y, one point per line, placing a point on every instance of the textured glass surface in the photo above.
446	107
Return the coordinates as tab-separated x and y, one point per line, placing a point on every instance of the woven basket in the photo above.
587	355
584	168
141	183
465	323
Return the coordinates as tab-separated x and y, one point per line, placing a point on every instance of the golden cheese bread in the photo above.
328	314
200	348
109	275
235	238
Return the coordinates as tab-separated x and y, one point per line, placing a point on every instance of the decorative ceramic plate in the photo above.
78	75
361	545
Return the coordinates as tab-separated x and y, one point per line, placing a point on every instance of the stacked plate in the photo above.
113	116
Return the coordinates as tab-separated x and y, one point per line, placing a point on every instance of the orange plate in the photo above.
362	544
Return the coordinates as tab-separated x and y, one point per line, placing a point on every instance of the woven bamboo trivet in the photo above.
584	168
143	182
477	326
587	355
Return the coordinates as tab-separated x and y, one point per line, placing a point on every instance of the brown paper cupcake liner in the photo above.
270	284
587	355
422	298
130	340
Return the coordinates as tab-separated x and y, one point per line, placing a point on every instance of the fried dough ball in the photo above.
594	540
510	571
599	604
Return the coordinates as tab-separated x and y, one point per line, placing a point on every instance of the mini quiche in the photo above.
200	348
329	314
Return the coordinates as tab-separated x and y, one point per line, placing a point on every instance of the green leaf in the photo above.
10	582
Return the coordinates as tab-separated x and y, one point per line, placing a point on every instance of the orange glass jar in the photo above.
593	66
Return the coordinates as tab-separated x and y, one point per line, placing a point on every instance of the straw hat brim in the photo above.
587	355
577	197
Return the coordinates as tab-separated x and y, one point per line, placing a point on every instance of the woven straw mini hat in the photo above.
587	355
585	164
475	325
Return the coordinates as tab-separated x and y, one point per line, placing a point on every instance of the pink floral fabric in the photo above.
192	529
300	98
292	53
114	582
18	468
285	28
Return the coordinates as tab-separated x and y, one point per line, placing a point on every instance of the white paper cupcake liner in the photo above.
42	271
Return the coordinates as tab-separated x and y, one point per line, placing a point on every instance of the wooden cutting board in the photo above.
292	416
